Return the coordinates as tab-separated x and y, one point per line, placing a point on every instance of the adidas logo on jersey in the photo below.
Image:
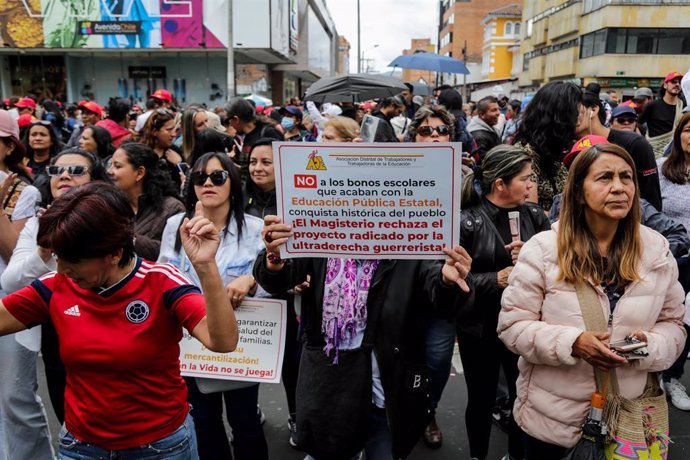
73	311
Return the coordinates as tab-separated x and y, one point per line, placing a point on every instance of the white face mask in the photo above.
287	123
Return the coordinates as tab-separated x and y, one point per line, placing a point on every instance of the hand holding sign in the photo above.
457	267
274	233
239	288
200	238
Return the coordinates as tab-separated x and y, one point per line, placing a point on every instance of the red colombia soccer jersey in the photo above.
120	349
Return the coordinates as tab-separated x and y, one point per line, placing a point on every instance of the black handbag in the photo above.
333	402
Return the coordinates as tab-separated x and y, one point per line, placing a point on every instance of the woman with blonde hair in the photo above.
340	129
599	242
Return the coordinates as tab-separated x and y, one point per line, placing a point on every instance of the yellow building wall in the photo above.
503	63
501	58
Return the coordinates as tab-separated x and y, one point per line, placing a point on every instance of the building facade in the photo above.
460	22
419	45
501	41
98	49
343	66
621	44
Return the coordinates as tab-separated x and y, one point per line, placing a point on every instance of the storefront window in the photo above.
636	41
39	76
319	45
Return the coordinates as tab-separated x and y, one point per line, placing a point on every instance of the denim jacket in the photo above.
233	258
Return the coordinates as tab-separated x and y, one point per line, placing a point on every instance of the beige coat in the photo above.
541	319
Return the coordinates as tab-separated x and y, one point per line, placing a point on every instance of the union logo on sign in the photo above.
316	162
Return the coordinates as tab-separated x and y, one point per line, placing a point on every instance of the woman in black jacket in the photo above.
362	380
493	195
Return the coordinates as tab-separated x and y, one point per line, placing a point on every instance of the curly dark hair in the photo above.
549	121
157	181
55	144
435	111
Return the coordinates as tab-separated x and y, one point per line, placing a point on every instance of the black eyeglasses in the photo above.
75	170
626	120
426	131
164	112
217	177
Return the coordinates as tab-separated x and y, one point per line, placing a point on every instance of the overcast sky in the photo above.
391	24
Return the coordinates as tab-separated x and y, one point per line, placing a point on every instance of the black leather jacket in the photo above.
481	242
407	292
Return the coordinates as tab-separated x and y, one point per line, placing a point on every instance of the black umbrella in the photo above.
354	88
591	444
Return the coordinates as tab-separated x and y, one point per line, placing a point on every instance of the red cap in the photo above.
25	102
163	95
24	120
91	106
6	101
583	144
672	76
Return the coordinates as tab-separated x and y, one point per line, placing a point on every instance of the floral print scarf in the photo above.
345	301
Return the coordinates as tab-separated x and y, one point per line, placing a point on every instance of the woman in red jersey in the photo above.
119	320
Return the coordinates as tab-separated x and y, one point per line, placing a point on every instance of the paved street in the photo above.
450	418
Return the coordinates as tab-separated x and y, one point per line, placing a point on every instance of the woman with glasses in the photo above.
119	320
436	124
136	170
624	118
214	185
69	169
395	417
97	140
159	133
41	144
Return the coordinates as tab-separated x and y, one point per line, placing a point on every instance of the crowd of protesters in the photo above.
174	207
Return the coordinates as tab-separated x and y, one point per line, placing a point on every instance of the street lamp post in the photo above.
362	61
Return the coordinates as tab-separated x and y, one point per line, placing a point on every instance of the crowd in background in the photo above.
555	158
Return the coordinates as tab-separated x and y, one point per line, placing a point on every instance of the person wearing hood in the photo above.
482	129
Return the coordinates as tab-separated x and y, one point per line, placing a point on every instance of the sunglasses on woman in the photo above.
626	120
442	130
76	170
217	177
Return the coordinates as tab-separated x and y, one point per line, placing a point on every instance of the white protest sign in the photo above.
369	201
259	353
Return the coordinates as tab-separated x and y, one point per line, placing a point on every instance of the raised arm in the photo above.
218	330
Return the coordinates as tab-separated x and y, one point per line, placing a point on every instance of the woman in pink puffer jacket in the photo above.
598	239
